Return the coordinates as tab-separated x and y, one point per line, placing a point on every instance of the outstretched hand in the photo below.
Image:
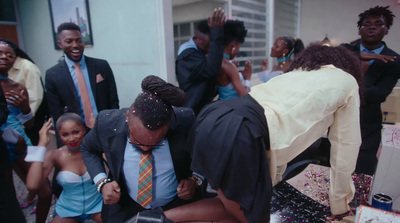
44	138
264	64
374	56
218	19
248	69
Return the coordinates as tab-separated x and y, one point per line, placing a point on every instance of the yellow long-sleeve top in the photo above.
28	74
299	107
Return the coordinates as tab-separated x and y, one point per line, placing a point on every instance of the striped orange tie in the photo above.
145	184
87	106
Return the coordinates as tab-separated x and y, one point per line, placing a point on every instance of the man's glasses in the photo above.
137	144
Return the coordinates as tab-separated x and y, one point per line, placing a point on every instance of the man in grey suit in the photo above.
62	90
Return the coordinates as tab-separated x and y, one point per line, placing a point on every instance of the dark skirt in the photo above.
229	141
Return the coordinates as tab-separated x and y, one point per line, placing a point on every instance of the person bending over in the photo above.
230	138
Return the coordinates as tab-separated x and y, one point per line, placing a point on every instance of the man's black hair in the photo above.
377	11
67	26
203	27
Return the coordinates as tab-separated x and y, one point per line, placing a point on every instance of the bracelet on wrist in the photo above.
198	181
35	154
102	183
246	83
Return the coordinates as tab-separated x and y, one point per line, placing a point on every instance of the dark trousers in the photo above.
9	207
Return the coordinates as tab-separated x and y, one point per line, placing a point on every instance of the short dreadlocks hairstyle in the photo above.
234	30
377	11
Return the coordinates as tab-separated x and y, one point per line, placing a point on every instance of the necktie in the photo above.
87	106
145	184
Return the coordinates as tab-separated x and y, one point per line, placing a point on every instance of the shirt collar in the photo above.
70	63
377	51
17	63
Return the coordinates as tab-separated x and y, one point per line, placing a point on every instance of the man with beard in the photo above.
78	83
381	67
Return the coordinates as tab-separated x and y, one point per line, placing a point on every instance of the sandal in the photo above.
26	204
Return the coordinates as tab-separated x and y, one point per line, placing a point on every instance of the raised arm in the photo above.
191	65
42	166
374	56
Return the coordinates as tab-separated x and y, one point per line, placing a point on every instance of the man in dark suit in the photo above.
382	70
62	87
199	61
150	126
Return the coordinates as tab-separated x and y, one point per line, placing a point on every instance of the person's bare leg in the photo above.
232	207
44	202
58	219
97	217
211	209
21	168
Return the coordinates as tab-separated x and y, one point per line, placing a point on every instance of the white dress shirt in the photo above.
165	183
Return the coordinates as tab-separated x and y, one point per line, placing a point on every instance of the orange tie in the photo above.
145	184
87	106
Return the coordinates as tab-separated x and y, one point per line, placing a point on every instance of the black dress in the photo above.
229	141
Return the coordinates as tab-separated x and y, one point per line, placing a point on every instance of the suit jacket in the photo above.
109	136
379	80
61	92
197	73
4	157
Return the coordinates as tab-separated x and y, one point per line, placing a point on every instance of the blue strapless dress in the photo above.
79	195
228	91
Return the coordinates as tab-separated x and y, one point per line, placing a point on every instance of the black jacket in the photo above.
197	73
379	80
61	92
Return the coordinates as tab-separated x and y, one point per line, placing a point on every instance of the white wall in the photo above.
134	36
339	18
194	11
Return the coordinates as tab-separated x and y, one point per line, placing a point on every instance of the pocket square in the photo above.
99	78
